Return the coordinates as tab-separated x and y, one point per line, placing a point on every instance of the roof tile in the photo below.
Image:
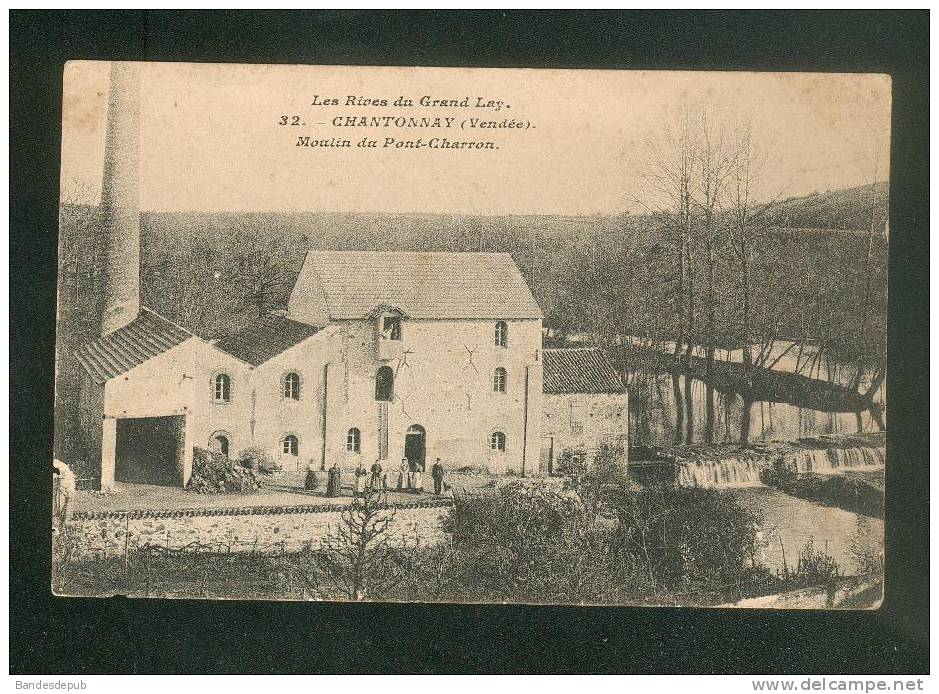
581	370
265	339
147	336
422	285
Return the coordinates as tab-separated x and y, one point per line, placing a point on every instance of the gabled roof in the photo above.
581	370
265	339
145	337
420	285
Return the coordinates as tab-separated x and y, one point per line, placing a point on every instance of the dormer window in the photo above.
502	334
391	328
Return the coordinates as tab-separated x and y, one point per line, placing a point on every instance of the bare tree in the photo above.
713	171
748	219
668	183
712	175
262	269
866	297
358	554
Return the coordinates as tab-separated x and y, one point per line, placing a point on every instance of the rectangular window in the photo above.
391	328
577	420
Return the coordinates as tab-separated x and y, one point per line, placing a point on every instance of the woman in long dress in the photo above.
333	487
403	471
360	479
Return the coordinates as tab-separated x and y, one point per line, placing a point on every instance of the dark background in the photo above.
56	635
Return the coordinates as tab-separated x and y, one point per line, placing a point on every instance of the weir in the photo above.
731	473
724	474
834	460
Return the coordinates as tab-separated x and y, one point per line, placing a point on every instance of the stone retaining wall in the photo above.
261	529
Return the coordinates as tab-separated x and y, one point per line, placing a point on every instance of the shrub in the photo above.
594	482
473	470
672	538
606	543
867	548
214	473
312	481
528	543
256	458
572	462
816	565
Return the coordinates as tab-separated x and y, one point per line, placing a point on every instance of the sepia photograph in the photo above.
469	335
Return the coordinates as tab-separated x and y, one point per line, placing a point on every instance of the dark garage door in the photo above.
148	450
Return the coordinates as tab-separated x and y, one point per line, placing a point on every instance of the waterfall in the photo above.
729	473
726	473
835	460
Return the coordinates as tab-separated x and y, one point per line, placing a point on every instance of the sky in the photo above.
210	139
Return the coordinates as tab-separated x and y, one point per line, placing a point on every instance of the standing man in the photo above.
437	473
375	482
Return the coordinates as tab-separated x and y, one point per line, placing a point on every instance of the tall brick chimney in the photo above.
119	210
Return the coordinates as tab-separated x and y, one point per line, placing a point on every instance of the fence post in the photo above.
126	542
147	570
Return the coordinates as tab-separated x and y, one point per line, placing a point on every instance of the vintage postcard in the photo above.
472	335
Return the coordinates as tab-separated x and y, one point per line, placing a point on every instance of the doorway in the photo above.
547	455
415	446
220	442
149	450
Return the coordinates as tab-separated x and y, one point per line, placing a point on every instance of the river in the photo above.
789	522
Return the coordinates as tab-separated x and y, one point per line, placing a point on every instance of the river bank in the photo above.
856	491
788	524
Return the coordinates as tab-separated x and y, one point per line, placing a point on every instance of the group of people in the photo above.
410	478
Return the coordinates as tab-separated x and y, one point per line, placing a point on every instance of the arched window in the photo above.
497	441
502	334
220	443
354	440
292	386
385	384
290	445
499	380
222	391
